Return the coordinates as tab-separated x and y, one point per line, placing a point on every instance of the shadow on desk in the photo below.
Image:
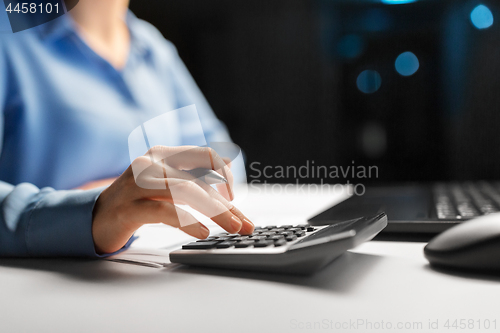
84	270
340	276
466	274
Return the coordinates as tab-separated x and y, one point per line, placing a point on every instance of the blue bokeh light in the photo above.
397	2
407	64
351	46
369	81
376	19
481	17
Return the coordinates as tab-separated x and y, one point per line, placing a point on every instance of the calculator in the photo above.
292	249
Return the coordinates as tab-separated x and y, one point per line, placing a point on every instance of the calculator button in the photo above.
245	243
302	226
277	230
286	233
224	238
288	226
291	238
310	229
225	245
280	242
206	240
266	233
199	246
276	237
269	227
239	238
300	233
258	237
263	243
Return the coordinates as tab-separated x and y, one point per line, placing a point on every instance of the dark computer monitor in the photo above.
409	86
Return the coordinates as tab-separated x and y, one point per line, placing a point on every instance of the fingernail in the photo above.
249	222
235	223
204	231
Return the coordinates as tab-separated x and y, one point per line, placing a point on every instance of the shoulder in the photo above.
147	34
14	45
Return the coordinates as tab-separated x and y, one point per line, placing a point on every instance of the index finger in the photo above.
192	157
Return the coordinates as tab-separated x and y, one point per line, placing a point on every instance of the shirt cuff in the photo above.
61	225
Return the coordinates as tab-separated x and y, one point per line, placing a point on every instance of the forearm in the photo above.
46	223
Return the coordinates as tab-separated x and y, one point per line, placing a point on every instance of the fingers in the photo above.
209	205
151	211
188	158
159	174
155	175
227	161
192	194
247	226
179	174
144	170
187	192
220	166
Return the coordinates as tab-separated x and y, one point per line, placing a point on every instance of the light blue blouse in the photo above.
66	116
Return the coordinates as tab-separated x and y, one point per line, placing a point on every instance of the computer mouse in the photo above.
472	245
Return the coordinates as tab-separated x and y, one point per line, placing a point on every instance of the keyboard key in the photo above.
223	238
280	242
286	233
199	246
276	237
464	204
225	245
300	233
445	209
302	226
466	209
491	193
263	243
258	237
309	229
239	238
245	243
484	204
291	238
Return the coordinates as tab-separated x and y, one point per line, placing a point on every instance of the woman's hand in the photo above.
147	190
96	184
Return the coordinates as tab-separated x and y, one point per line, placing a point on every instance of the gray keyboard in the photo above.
466	200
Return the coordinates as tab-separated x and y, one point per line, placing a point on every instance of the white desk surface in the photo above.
379	284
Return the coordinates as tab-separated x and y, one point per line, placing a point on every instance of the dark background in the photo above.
281	76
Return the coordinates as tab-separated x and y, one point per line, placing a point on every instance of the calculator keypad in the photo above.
260	238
